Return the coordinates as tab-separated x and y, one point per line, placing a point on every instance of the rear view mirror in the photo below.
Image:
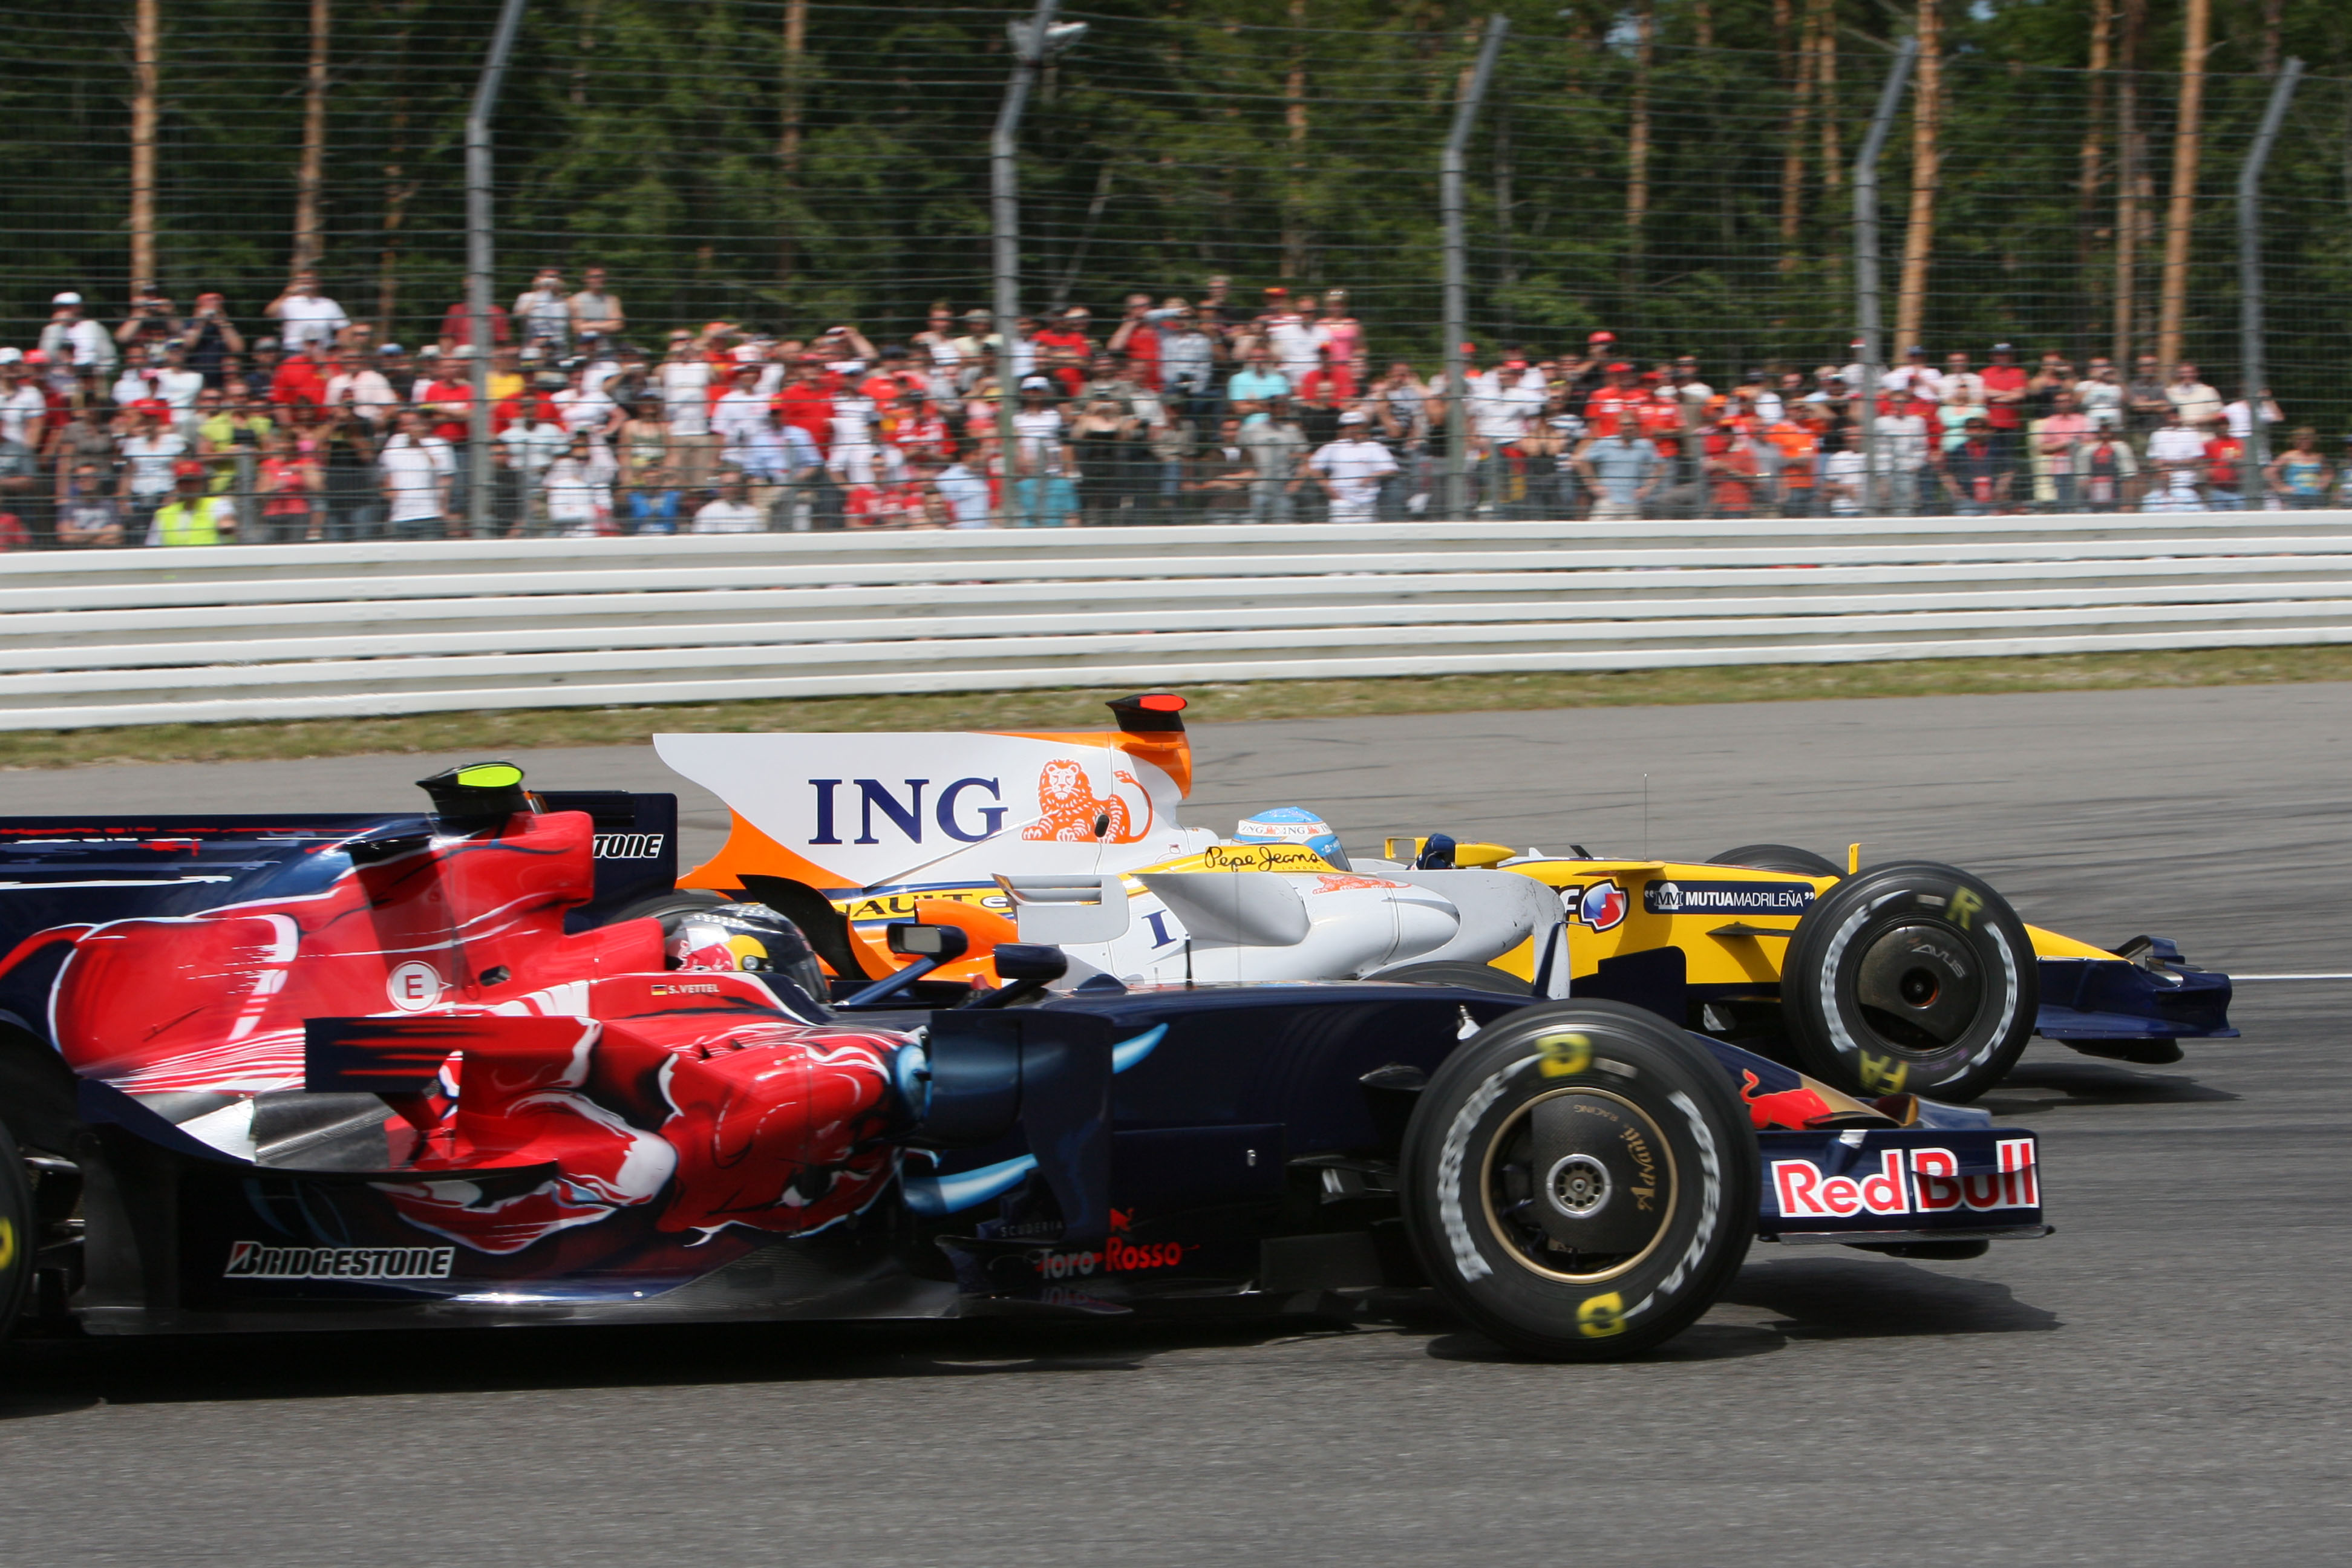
1028	961
944	944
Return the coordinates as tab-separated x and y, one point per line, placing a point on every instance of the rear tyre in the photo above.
20	1236
1778	857
1910	977
1452	971
1579	1180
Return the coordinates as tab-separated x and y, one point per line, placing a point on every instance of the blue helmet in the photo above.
1292	825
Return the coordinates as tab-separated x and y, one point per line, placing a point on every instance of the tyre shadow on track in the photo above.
48	1377
2056	1085
1776	1301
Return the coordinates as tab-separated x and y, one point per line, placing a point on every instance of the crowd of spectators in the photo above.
183	427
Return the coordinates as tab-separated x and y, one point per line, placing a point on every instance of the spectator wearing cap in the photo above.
188	515
1042	459
2005	390
1352	468
150	453
544	312
1613	406
23	410
305	316
71	337
1503	402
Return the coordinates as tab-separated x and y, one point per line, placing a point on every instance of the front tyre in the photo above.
1579	1180
1910	978
20	1233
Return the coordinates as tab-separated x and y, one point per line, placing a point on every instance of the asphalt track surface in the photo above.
2163	1382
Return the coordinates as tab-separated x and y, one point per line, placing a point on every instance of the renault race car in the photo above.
285	1072
1906	976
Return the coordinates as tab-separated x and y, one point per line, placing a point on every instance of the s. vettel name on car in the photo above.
1929	1182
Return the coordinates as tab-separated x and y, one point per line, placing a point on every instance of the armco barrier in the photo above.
306	631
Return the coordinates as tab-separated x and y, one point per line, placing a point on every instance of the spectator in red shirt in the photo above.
2224	483
805	403
1137	342
1731	469
458	327
1612	403
1064	348
302	378
2005	392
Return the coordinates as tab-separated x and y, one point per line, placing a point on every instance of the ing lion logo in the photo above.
1070	809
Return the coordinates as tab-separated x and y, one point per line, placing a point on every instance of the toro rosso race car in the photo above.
1900	977
274	1072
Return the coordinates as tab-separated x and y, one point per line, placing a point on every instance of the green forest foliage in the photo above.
1293	141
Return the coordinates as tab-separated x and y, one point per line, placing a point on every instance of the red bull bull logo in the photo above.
1795	1108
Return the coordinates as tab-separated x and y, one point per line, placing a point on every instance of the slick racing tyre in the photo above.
19	1233
1910	977
1454	971
1579	1180
1778	857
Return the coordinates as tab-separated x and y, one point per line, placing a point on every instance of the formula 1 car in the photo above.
1905	976
281	1072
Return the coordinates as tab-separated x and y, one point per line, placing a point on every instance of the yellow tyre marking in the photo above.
1601	1316
1564	1056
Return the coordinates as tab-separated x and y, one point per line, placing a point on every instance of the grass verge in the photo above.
1081	707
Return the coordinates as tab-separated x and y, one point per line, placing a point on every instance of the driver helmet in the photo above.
749	938
1293	824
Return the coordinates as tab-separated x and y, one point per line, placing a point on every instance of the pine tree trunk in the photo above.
788	150
1637	144
2179	223
1797	71
143	74
1919	234
1833	153
312	173
1293	194
2127	182
2093	159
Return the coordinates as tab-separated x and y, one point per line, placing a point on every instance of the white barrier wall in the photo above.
311	631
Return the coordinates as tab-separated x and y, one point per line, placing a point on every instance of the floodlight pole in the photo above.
1457	306
1004	205
1866	257
2250	346
479	259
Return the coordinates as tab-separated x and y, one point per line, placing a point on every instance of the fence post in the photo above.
2250	281
478	261
1457	307
1865	258
1032	42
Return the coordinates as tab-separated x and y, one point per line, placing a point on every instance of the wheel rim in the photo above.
1578	1185
1920	988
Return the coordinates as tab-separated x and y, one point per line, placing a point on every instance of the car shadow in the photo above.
50	1377
1777	1301
1856	1297
2059	1085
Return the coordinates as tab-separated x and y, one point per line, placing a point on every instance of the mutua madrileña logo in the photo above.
255	1260
1727	897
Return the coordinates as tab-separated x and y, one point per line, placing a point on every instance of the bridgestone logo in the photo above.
252	1260
629	846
